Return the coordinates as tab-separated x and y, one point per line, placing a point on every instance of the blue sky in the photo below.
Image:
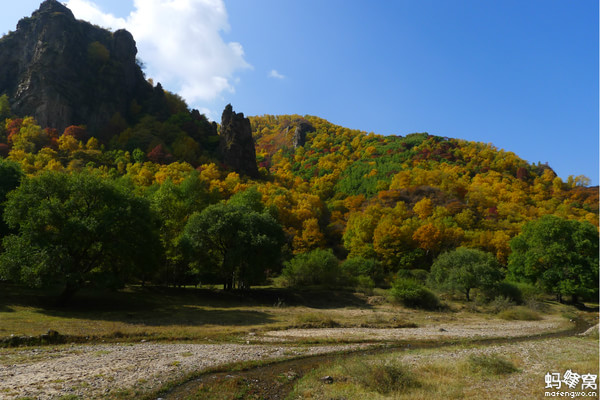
522	75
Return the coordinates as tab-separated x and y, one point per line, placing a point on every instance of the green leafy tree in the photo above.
5	112
174	204
559	255
465	269
10	178
367	267
74	230
316	267
233	243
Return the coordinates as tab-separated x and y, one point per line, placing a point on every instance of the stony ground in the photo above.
474	329
105	370
102	371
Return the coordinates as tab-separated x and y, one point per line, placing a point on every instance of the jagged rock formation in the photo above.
63	71
299	139
236	144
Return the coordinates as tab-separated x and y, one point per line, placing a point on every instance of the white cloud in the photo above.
275	74
180	43
88	11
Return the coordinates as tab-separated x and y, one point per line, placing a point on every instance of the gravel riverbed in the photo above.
103	370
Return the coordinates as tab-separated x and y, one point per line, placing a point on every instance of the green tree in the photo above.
559	255
465	269
369	267
74	230
10	178
173	204
5	111
234	244
316	267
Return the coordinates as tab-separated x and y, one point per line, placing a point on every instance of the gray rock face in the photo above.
299	139
68	72
236	144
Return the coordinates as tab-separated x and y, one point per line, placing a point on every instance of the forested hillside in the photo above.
398	201
405	199
185	202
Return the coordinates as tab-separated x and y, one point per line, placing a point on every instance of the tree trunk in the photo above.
467	294
67	294
574	299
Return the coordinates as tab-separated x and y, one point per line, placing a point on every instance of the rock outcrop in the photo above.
299	139
63	71
236	145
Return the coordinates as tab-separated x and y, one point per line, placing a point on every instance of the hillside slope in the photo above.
406	198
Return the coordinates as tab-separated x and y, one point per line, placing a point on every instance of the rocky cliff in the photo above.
299	139
67	72
236	144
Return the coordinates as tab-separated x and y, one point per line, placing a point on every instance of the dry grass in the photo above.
519	314
191	314
511	371
210	315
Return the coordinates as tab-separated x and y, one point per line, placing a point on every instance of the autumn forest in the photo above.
154	205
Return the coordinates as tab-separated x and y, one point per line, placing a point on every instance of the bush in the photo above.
313	320
509	290
519	314
381	377
491	364
529	291
501	303
365	284
369	267
410	293
317	267
419	275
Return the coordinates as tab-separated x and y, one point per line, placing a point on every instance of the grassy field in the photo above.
491	372
503	370
185	314
162	314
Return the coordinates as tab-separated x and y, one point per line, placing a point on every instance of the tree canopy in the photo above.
10	178
465	269
559	255
235	243
75	229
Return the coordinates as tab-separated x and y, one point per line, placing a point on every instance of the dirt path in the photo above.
103	371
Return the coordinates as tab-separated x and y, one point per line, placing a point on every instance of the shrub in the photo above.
317	267
313	320
529	291
369	267
381	377
510	291
519	314
365	284
98	53
410	293
536	305
491	364
501	303
419	275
